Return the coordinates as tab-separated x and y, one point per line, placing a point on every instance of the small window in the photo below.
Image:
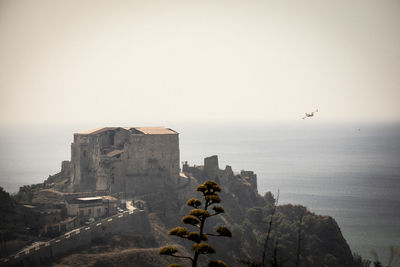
89	212
81	213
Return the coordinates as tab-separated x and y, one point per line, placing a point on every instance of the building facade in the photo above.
137	160
85	208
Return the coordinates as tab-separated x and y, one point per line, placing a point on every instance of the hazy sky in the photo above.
154	62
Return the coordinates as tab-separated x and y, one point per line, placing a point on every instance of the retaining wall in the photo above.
134	222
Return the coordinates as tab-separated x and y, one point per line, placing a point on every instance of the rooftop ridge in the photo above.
144	130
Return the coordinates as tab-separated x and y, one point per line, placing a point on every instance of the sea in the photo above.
350	171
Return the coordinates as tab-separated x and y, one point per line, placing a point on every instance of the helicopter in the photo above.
311	114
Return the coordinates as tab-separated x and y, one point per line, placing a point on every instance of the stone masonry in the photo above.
137	161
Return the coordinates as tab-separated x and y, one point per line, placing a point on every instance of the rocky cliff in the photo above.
296	233
296	236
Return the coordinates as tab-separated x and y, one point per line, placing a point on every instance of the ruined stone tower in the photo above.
137	160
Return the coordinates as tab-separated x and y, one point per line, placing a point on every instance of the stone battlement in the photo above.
226	177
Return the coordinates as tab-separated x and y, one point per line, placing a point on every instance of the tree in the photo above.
254	263
196	219
299	241
275	204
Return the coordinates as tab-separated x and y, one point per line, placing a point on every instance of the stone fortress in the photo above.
123	186
116	176
113	167
134	161
137	163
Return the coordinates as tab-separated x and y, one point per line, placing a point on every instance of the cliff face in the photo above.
295	233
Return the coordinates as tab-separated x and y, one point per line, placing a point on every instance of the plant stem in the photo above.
203	219
269	230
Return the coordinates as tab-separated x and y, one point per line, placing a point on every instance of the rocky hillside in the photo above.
18	224
297	235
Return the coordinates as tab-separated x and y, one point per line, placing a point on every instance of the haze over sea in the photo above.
350	171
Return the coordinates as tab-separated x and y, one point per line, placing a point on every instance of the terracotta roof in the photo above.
98	130
155	130
144	130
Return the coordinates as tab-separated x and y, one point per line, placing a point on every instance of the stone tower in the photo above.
137	160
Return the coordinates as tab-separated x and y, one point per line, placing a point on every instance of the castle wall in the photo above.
117	176
145	152
66	167
211	168
120	160
226	178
